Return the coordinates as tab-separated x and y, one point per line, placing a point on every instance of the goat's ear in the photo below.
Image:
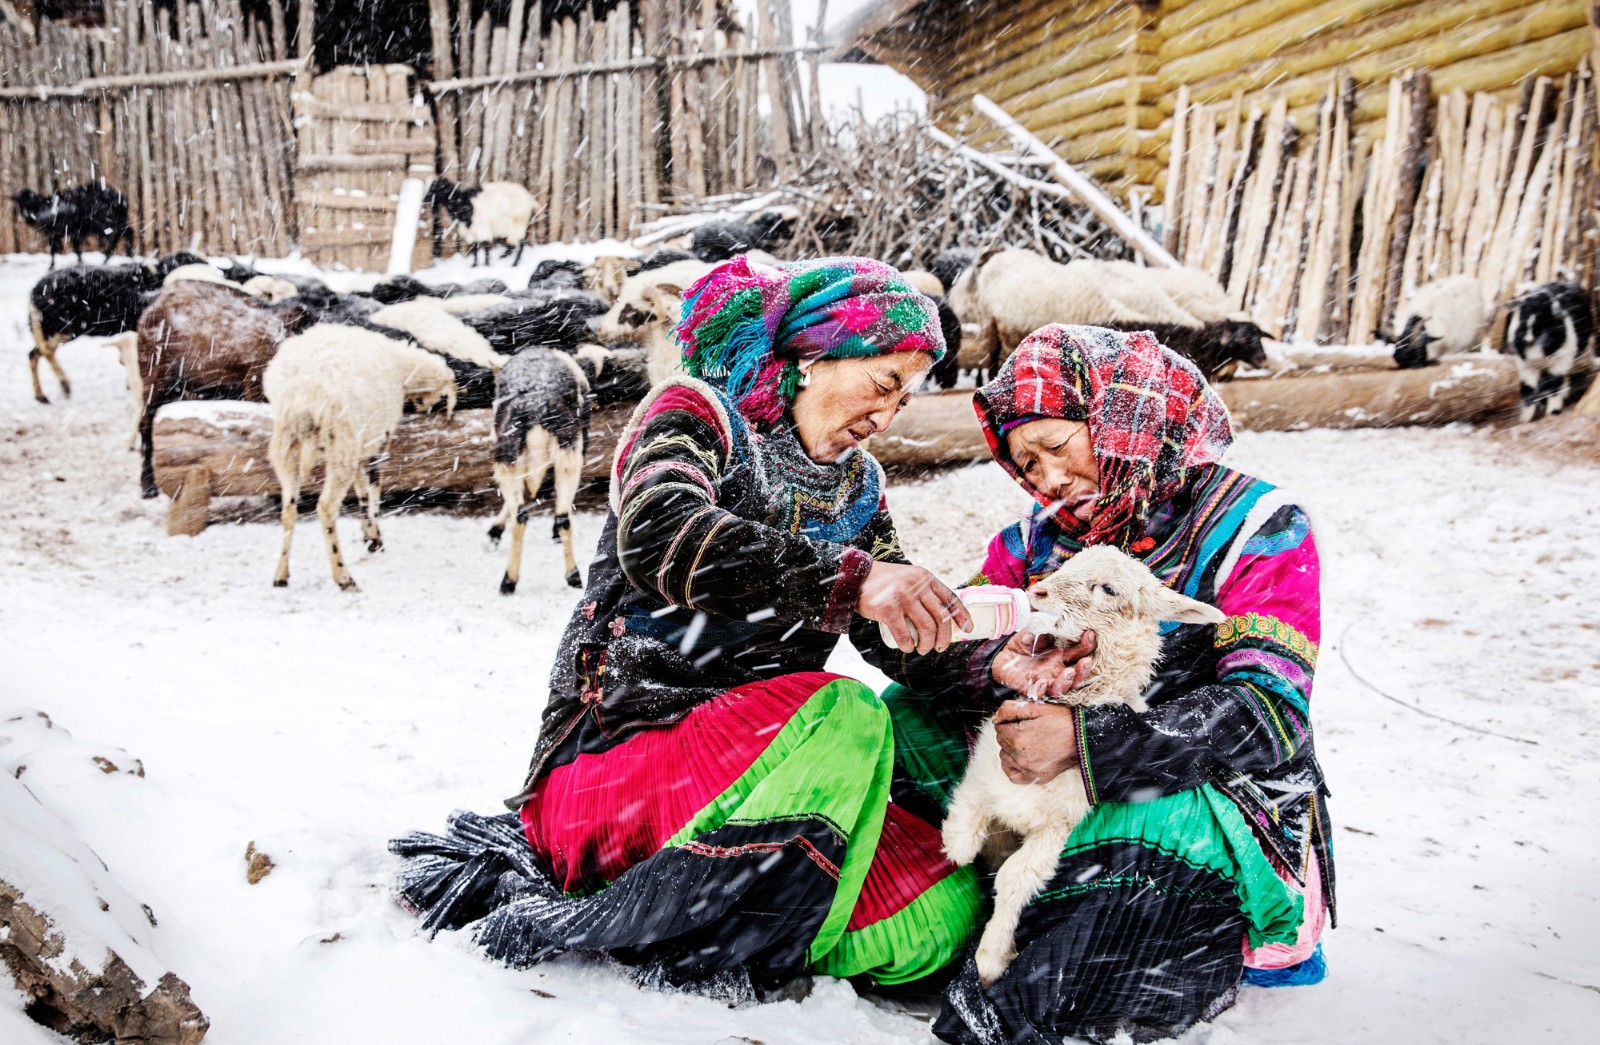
1169	605
669	290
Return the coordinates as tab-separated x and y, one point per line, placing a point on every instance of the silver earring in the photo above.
805	379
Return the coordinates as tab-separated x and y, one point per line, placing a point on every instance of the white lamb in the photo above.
438	331
1441	318
337	393
1100	588
633	311
1008	294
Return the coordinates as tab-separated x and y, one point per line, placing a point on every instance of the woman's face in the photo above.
1057	457
847	400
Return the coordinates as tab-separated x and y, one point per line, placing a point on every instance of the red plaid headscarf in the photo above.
1151	416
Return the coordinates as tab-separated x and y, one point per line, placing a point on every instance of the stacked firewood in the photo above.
899	190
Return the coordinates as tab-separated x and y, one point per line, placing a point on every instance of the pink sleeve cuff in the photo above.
853	570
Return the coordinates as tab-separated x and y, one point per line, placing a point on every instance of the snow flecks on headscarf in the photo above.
747	327
1152	418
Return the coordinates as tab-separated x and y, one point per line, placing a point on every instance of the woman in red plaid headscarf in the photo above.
1205	858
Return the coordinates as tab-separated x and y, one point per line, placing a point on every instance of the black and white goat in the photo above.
1551	330
495	212
541	421
76	215
1444	317
85	301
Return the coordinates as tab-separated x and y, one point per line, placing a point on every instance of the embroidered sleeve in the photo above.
674	538
1254	714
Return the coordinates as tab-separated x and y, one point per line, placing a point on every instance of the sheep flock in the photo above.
340	369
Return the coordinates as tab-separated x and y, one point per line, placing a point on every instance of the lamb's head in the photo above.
1109	591
428	380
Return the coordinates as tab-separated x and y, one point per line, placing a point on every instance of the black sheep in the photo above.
556	275
720	240
1216	348
554	320
85	301
947	266
661	257
948	369
76	215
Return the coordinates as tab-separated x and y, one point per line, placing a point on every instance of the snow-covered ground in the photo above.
1457	708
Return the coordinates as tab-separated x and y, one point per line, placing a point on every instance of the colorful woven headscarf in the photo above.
747	327
1152	418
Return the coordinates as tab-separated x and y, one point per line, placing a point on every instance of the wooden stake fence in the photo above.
1323	237
183	109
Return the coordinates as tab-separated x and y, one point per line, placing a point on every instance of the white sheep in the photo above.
495	212
1100	588
269	288
1008	294
127	346
435	329
201	273
1444	317
633	311
1197	293
337	393
925	281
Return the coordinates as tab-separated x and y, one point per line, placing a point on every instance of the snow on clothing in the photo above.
703	798
1208	811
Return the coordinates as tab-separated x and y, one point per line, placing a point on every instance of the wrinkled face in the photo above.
847	400
1057	458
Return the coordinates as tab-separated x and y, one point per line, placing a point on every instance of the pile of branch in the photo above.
900	190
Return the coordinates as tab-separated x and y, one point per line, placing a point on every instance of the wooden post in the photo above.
1087	191
190	509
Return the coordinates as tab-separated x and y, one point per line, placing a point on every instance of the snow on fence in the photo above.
183	108
1322	236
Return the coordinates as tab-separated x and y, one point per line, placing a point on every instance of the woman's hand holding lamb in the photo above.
1038	741
919	611
1040	668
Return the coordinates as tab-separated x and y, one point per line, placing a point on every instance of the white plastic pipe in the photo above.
408	212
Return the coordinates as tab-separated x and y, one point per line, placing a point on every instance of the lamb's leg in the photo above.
367	489
335	484
569	471
509	478
41	345
289	492
55	364
521	244
1019	880
966	825
498	527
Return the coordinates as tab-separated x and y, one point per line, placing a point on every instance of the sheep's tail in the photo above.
512	422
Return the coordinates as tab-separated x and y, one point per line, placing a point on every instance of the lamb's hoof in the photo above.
507	585
574	579
66	390
349	585
284	583
494	535
42	398
992	966
150	493
375	544
962	851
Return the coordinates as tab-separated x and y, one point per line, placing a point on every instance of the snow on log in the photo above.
205	450
78	946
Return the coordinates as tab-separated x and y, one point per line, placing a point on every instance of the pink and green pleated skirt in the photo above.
771	829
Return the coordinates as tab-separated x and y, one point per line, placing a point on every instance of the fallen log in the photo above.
205	450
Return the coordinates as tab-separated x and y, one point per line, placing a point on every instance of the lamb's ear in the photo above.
1169	605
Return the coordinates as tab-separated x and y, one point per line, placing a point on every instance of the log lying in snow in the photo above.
220	449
